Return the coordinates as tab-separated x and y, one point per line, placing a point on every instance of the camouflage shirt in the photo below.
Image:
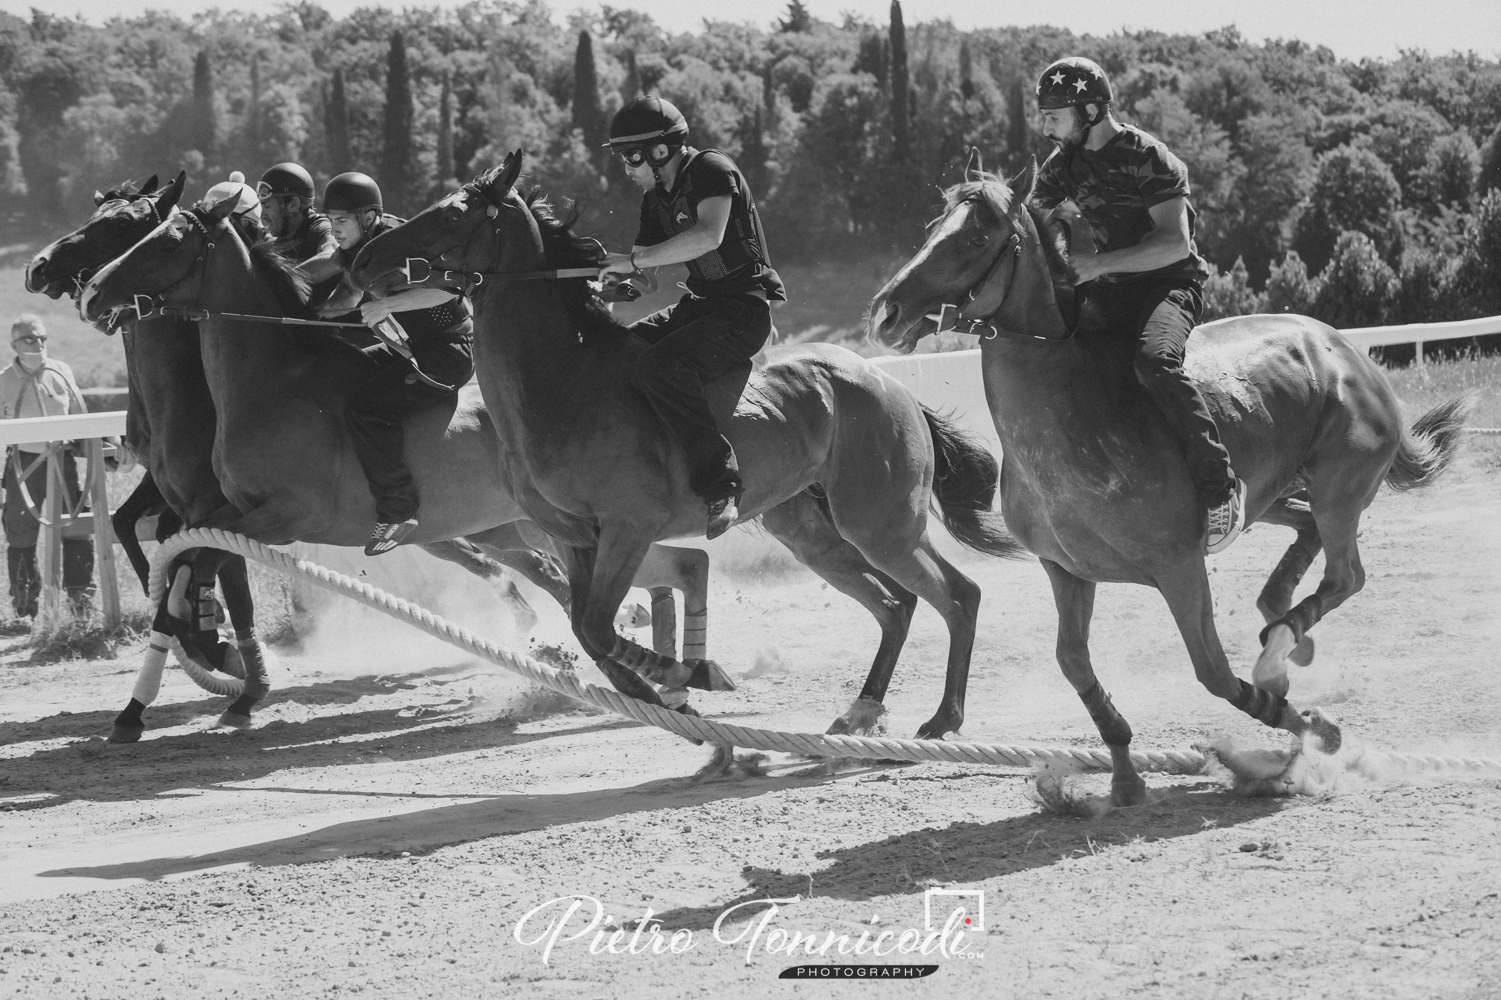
1115	188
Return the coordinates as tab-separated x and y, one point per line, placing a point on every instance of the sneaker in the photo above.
722	516
387	536
1227	519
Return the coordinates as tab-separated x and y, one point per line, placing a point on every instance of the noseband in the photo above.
146	305
975	324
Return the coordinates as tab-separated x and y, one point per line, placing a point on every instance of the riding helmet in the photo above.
645	119
351	192
246	202
1071	82
286	180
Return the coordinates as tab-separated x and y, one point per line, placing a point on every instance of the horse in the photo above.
279	451
840	461
1094	483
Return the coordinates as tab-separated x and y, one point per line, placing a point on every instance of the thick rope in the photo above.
693	727
1483	430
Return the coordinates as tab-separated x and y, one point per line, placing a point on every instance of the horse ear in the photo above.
149	184
172	194
98	198
505	178
219	210
1023	183
975	166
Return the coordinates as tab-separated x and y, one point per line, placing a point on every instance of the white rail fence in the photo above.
949	380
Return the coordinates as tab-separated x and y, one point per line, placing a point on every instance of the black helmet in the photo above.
645	119
1071	82
286	180
351	192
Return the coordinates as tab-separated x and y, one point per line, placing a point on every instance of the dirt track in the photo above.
441	804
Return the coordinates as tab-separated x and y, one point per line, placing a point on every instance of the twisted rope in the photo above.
693	727
1483	430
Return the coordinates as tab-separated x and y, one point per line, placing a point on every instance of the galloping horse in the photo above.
1096	485
279	451
838	458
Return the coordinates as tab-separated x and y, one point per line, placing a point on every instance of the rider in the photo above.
286	196
696	210
1147	279
247	205
440	332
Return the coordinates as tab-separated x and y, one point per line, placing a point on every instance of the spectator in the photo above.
36	386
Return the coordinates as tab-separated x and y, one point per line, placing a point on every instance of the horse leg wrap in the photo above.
695	635
1299	619
149	680
255	663
1114	729
1278	592
654	667
1263	706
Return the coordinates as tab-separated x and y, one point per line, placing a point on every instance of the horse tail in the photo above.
1428	447
965	478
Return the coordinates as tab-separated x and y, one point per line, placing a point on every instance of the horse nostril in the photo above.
892	317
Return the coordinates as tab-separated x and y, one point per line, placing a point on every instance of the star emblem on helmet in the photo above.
1080	85
1057	78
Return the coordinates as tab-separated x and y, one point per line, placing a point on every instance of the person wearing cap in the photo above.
247	206
1147	279
696	209
439	328
286	197
34	385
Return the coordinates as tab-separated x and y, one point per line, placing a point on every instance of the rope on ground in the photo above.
694	727
1483	430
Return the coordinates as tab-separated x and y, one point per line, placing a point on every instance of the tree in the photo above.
1230	293
1448	174
1490	164
445	169
1353	192
336	124
1358	288
1018	137
203	127
797	20
630	88
966	72
396	151
253	138
588	115
1289	289
900	123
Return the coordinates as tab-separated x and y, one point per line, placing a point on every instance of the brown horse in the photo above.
839	459
279	450
1096	485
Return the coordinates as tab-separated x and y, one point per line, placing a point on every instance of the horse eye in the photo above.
979	241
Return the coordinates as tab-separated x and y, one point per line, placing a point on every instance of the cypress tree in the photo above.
900	122
396	151
336	125
588	115
753	154
446	170
1490	164
630	89
966	71
203	126
1016	128
253	138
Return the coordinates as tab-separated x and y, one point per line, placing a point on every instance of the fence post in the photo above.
104	537
50	537
1418	357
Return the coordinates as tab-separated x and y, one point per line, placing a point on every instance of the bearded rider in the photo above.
1146	280
697	210
440	336
285	193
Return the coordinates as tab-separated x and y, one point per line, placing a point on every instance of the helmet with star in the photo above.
1071	82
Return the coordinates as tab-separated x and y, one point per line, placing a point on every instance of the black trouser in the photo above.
1160	314
22	529
691	343
377	412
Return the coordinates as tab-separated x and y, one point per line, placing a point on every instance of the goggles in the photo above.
635	156
264	193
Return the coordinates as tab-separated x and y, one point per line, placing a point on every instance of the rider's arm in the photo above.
323	265
705	235
1167	243
408	301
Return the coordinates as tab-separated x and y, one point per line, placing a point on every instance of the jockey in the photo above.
247	207
440	332
1147	279
286	197
696	210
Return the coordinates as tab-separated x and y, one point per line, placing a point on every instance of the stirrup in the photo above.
388	535
1226	520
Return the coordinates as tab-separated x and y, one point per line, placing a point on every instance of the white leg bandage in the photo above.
149	679
695	635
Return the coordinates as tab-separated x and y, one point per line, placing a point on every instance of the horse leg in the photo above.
687	570
1074	598
804	526
193	610
599	643
508	545
1277	596
129	724
234	581
1186	590
142	499
466	553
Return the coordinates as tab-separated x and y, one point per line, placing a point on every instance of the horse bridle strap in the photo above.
982	321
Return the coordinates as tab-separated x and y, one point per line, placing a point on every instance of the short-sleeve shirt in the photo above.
1115	188
314	237
742	262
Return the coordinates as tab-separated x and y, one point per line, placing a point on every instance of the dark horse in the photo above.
839	459
1095	484
279	452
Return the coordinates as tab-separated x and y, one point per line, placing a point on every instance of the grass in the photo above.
1434	382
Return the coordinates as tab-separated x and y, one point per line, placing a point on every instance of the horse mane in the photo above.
288	282
565	248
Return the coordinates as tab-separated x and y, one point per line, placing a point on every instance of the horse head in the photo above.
983	265
155	271
122	216
464	232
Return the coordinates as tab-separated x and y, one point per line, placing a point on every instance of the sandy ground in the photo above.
399	811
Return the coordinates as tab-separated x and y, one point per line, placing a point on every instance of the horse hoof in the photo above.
125	734
1302	653
708	676
1127	792
1325	729
234	720
839	727
938	727
1270	672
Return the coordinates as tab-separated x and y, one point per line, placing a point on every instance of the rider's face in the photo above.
1063	126
280	214
347	228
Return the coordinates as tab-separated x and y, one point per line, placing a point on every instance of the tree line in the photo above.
1359	191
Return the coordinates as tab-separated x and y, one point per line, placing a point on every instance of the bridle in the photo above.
147	304
81	278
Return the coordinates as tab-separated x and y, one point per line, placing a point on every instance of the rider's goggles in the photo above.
634	156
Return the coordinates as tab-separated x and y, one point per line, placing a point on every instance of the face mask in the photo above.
31	357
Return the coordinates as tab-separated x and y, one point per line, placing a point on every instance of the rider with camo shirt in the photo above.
696	210
440	331
286	196
1147	280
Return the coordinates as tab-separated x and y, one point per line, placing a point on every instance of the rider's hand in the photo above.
374	311
1083	267
617	263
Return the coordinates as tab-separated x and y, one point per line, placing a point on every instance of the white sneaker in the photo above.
1227	520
